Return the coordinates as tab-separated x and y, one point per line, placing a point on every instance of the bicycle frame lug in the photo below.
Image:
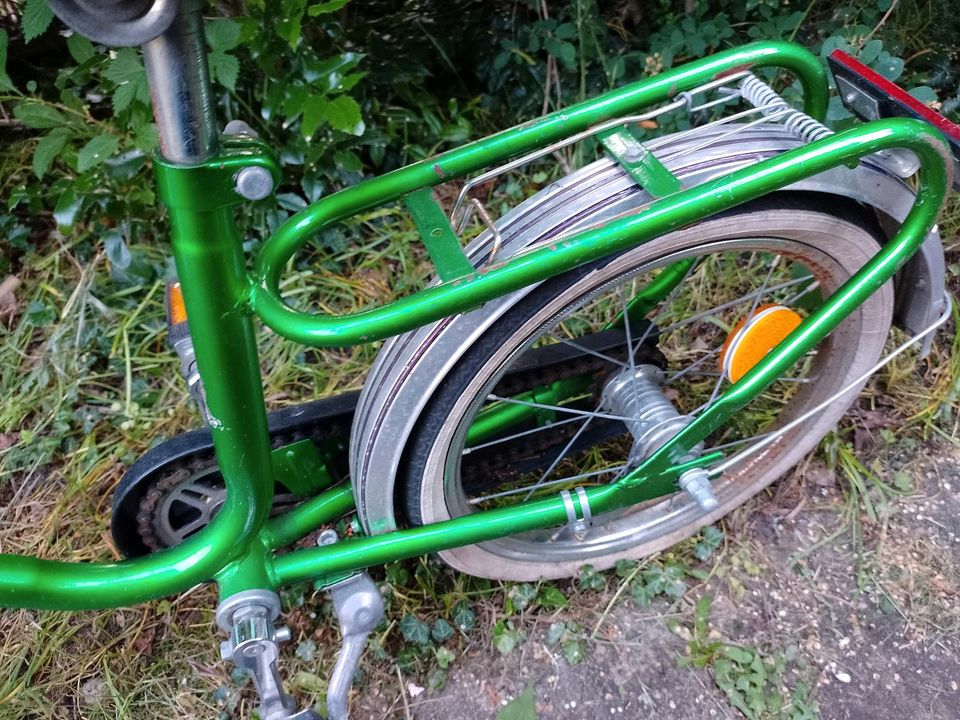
696	483
359	607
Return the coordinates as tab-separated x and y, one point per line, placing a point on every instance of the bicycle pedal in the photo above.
359	608
248	618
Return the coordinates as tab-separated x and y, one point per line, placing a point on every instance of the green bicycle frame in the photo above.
238	547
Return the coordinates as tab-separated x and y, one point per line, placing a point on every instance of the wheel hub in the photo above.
636	394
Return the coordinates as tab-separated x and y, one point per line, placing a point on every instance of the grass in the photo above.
88	385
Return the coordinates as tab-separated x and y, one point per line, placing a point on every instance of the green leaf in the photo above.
80	48
38	115
463	616
556	631
67	207
223	34
574	651
522	707
37	17
551	598
225	69
326	7
711	539
126	71
96	151
47	150
5	82
445	656
441	631
343	114
924	94
505	637
415	630
590	579
522	595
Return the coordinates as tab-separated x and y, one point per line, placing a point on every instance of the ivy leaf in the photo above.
96	151
445	656
127	73
556	631
39	116
37	17
326	7
415	630
47	150
463	616
574	651
442	630
223	34
552	598
522	595
711	539
522	707
5	82
505	637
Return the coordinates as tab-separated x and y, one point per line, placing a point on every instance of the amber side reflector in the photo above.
751	339
176	310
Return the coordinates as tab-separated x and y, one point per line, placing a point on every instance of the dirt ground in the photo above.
871	618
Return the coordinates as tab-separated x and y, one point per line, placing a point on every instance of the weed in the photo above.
754	682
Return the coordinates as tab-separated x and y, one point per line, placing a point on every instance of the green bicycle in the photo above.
569	390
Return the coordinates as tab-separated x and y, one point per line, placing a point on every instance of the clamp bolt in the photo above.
254	183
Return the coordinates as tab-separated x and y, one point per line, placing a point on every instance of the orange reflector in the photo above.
751	339
176	310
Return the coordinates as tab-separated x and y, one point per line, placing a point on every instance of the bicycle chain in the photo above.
476	470
182	469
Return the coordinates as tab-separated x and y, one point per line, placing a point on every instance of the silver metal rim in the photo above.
853	344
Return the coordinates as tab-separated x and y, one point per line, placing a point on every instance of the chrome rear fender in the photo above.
410	367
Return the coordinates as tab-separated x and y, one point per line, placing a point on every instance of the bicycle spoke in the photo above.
587	350
551	483
558	408
508	438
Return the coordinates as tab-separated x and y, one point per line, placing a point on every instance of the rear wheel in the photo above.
785	252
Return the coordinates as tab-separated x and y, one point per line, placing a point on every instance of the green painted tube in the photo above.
537	265
209	256
397	317
357	553
307	517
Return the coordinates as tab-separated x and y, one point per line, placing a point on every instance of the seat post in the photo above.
176	63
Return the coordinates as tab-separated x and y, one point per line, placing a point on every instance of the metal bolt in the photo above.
633	153
254	183
239	127
282	634
327	537
696	483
